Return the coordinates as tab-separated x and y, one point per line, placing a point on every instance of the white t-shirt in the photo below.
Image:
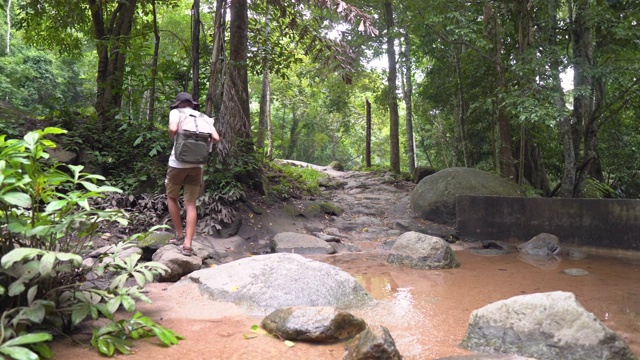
205	124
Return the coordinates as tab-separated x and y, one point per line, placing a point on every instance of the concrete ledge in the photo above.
602	223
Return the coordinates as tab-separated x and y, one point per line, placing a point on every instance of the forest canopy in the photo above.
464	83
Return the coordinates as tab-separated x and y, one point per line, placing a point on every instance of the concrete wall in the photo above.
585	222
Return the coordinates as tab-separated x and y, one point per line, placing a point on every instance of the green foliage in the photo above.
289	180
115	335
46	220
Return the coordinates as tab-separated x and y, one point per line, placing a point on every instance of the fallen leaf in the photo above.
249	336
258	330
289	343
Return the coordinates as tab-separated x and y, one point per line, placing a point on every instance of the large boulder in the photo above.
264	283
434	197
420	251
545	326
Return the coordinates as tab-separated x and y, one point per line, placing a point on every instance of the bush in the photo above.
46	221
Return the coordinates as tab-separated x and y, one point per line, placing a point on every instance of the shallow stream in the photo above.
426	311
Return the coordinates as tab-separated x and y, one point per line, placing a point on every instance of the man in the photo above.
185	176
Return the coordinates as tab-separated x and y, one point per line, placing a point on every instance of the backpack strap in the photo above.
182	118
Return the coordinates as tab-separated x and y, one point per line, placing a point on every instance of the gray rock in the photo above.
576	254
264	283
315	324
434	196
422	251
178	264
486	357
575	272
374	343
545	326
295	243
542	244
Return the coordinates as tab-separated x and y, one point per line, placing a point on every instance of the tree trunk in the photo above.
154	67
505	153
583	84
408	93
293	133
367	148
214	93
8	27
394	121
235	121
568	142
112	41
265	106
195	50
269	135
462	110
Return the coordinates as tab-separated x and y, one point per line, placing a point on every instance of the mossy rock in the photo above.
336	165
292	211
321	209
156	238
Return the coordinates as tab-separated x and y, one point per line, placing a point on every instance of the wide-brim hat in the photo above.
183	96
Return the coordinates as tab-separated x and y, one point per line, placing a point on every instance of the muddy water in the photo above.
426	311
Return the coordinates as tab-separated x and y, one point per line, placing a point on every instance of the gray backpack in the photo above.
190	146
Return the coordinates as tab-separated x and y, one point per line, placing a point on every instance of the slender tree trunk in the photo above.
154	66
568	142
265	95
8	27
394	137
293	133
505	160
583	84
408	93
269	135
214	93
367	149
265	106
195	50
112	41
462	110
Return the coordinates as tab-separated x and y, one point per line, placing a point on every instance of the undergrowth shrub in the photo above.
46	222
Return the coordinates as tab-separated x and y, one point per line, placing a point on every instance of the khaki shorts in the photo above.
188	178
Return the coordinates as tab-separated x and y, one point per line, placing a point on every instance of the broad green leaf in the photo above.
19	254
35	313
42	349
128	303
55	205
31	294
47	262
113	304
90	186
18	352
73	258
53	130
107	188
29	339
17	287
140	279
80	313
16	198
